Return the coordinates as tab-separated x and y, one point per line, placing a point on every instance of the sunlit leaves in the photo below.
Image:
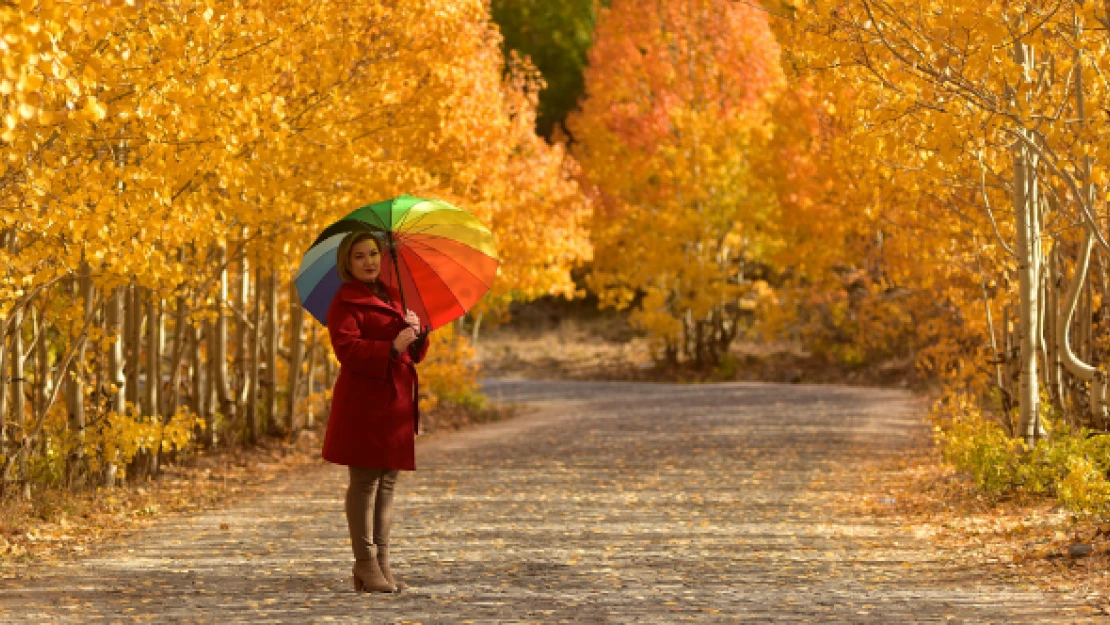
676	95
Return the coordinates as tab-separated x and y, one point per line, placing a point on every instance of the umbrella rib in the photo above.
412	229
415	222
426	229
419	240
441	207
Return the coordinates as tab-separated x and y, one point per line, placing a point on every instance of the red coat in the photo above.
374	414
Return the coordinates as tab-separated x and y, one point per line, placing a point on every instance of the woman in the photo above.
374	416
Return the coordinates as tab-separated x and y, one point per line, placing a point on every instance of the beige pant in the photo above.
369	487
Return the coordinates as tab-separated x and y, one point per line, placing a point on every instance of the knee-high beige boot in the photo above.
368	576
383	564
383	521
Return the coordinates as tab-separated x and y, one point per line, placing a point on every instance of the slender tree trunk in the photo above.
1008	358
100	393
209	396
19	410
4	325
474	331
134	316
153	355
1028	249
1053	373
255	358
197	396
1075	366
310	409
43	378
40	390
329	383
219	344
156	372
272	333
75	384
5	238
296	354
181	334
117	381
1083	314
242	333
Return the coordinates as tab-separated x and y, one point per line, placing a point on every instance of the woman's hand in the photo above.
404	339
412	320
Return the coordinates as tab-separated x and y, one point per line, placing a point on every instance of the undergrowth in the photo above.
1069	464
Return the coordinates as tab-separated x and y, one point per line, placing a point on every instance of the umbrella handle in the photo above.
422	336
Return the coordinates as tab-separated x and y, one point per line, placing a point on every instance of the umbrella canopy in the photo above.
439	257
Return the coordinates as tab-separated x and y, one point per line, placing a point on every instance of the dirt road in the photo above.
604	502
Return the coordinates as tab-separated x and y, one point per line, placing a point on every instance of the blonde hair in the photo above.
343	254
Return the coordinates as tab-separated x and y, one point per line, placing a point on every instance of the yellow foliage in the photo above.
152	145
676	100
1069	464
113	439
450	373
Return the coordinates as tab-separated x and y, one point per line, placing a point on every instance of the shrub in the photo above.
450	374
1070	465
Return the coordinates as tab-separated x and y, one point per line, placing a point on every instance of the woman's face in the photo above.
366	261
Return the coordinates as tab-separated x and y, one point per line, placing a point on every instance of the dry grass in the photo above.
554	339
1023	538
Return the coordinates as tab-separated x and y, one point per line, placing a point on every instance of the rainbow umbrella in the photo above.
440	258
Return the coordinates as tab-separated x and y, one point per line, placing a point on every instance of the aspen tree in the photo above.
272	336
254	361
296	358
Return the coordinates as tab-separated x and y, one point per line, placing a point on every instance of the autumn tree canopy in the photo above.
166	166
677	96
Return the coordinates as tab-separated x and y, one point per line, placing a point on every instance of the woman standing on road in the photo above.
374	415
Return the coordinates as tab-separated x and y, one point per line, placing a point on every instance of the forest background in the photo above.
883	187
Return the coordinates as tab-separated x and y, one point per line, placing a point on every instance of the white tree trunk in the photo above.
197	394
116	379
1028	251
1053	372
222	380
242	332
1075	366
133	314
255	359
272	331
153	355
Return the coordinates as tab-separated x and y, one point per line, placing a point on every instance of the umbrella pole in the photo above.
397	270
400	287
